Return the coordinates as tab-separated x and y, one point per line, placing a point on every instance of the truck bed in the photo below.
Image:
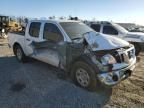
16	38
19	33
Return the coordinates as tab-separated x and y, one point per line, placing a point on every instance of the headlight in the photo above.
3	30
108	59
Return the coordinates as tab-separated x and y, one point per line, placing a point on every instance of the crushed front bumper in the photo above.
112	78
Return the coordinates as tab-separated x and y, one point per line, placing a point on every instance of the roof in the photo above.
100	22
58	21
127	25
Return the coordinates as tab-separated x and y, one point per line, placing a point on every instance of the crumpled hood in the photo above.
135	35
99	41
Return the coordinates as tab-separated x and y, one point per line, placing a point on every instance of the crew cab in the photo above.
113	29
90	58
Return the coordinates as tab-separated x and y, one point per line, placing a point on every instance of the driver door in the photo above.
52	36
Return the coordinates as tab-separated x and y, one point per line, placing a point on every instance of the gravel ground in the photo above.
39	85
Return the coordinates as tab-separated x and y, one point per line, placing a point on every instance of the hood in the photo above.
99	41
135	35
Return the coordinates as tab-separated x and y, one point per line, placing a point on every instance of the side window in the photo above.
34	29
110	30
52	33
96	27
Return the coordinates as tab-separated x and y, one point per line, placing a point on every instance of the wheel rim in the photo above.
82	77
19	54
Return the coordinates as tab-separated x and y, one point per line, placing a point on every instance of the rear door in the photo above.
33	34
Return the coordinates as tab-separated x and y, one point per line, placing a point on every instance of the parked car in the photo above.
138	29
110	28
89	58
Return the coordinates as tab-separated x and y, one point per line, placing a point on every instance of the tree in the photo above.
62	17
26	20
73	18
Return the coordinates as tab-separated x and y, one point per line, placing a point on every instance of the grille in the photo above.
131	54
123	57
117	57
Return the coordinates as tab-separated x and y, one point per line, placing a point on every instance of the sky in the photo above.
128	11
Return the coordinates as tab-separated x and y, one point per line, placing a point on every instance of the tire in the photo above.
137	48
90	81
19	54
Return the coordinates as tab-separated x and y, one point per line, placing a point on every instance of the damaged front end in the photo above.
114	57
122	69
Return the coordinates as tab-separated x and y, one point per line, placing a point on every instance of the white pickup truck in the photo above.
113	29
90	58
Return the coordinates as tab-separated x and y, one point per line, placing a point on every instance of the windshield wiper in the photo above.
80	37
77	38
87	32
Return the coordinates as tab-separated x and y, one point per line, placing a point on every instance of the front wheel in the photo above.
137	48
84	76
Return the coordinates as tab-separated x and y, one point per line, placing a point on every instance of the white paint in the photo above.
104	42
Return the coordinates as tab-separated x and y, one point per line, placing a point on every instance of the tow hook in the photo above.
127	73
115	78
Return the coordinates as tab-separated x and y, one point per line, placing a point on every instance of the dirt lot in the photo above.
39	85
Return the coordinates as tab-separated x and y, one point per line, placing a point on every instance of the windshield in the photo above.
75	29
120	28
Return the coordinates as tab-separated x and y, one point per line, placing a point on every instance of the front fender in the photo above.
87	59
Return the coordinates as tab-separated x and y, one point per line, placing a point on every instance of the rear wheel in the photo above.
19	54
84	76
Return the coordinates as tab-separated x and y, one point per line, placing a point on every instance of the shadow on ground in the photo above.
36	85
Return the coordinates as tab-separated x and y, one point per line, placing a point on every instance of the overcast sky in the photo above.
115	10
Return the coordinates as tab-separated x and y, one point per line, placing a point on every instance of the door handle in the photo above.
28	39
